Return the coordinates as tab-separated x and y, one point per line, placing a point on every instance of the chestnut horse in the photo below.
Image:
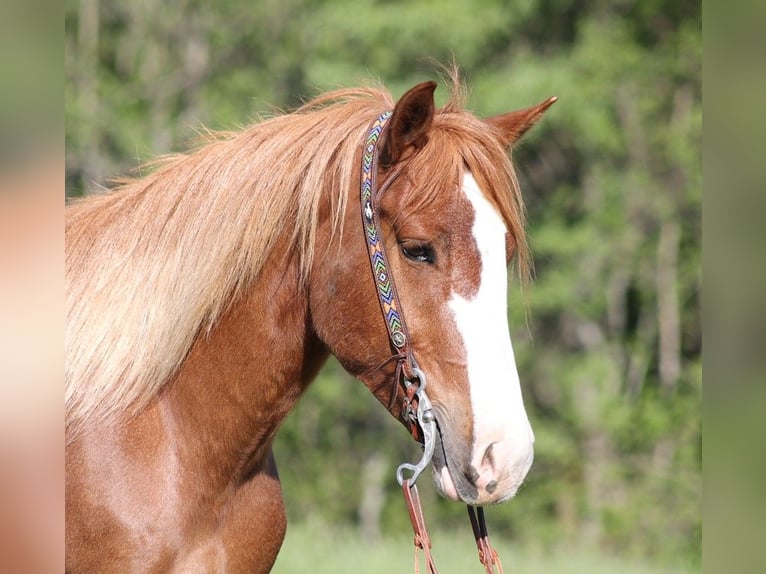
203	298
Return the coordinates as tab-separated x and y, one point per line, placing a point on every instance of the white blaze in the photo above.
499	418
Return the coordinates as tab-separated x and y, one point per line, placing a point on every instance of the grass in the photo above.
321	549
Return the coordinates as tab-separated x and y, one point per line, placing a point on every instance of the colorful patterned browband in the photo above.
389	301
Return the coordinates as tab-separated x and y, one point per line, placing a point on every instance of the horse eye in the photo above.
421	253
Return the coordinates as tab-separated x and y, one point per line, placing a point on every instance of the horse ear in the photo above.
513	125
409	123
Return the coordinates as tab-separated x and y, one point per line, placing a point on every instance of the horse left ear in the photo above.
409	123
513	125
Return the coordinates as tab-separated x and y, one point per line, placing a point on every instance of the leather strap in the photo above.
487	555
422	539
388	298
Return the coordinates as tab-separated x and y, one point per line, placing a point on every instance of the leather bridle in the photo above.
416	409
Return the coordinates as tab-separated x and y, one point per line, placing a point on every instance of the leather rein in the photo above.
416	410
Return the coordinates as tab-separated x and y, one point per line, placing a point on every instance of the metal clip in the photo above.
427	423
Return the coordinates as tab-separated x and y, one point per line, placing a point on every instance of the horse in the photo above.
203	298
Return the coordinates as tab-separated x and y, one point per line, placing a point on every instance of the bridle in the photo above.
416	410
416	407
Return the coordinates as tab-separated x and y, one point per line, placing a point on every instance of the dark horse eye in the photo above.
421	253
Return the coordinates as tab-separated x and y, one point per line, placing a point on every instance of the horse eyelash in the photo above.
421	253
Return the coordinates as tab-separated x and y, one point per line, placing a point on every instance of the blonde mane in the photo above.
155	261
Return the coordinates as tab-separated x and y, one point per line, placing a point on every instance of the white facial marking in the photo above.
499	418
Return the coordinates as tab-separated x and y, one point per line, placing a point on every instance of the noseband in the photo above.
416	410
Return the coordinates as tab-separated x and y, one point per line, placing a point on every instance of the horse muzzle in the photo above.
489	472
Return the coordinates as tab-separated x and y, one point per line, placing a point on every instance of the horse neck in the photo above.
241	380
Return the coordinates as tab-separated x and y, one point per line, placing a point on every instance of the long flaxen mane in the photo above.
151	264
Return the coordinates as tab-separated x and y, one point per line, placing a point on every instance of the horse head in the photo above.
450	219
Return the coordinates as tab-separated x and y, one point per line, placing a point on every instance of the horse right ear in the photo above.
513	125
409	124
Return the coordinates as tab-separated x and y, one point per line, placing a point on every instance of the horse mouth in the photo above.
450	480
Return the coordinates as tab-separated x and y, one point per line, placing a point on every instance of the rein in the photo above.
416	406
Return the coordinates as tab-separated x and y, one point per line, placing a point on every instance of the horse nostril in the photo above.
491	486
488	459
472	475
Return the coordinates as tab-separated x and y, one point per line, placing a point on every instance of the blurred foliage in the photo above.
610	359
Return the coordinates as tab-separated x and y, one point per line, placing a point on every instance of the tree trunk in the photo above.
373	496
87	88
668	314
